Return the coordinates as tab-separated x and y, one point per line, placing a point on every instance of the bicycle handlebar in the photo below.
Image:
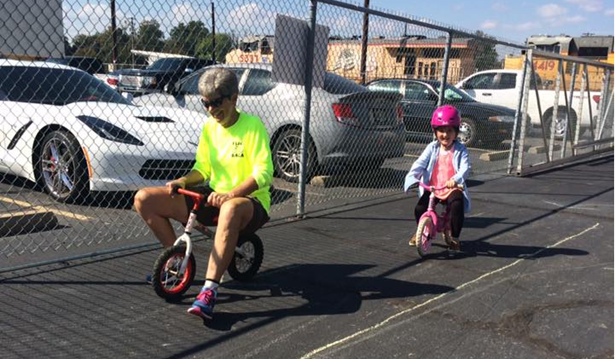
432	188
195	195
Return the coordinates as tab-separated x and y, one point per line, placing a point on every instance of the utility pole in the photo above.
130	21
113	35
364	43
213	32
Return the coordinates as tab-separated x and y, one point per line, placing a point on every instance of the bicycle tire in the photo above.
166	287
244	267
424	235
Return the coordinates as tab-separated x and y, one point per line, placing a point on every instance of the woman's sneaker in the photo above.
204	304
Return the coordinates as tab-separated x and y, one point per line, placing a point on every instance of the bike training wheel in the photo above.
424	234
164	277
246	264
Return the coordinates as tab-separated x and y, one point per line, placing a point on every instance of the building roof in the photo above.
538	40
595	41
415	41
568	43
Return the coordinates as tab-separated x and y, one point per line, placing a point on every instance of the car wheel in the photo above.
286	153
467	132
560	123
62	167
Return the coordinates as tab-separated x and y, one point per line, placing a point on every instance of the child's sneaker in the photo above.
454	245
204	304
412	241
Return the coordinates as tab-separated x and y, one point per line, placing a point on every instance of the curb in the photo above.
494	156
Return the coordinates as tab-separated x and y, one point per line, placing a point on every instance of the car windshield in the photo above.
166	64
52	86
453	94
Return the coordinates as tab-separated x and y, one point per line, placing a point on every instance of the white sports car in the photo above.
72	134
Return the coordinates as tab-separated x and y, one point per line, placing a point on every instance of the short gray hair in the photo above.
218	82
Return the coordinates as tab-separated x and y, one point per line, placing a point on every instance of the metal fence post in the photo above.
601	107
443	79
567	128
305	128
521	115
589	105
577	131
558	80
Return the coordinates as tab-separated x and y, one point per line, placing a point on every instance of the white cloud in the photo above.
551	10
88	19
499	6
609	12
184	13
251	19
489	24
587	5
574	19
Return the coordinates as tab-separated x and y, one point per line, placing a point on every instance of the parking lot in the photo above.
534	279
41	229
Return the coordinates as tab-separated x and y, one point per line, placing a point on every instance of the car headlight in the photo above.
148	81
109	131
502	119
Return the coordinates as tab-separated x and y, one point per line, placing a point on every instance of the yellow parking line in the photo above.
39	208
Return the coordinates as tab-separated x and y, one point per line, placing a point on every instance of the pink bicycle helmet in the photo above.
446	115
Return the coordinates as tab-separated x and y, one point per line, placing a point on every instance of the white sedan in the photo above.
70	133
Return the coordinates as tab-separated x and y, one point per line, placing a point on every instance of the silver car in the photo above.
350	126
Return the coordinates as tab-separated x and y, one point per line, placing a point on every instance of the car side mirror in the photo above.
173	89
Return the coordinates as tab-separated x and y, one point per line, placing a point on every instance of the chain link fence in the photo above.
76	145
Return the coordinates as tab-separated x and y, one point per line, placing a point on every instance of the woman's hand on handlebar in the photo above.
175	183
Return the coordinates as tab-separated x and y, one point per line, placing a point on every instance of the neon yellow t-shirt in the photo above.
228	156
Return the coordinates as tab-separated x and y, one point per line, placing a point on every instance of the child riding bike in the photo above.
444	163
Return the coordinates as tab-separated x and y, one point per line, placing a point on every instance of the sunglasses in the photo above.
214	103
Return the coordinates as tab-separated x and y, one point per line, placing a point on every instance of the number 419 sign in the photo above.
545	65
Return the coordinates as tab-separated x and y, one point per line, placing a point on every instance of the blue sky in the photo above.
506	19
513	20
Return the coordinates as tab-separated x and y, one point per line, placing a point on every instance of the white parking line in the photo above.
43	209
386	321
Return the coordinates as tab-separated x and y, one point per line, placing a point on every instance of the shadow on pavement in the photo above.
323	289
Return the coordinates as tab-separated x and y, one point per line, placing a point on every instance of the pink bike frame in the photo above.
441	223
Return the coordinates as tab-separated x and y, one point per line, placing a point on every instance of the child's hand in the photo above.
451	184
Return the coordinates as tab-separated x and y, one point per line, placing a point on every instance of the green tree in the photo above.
100	45
224	44
184	38
486	54
149	36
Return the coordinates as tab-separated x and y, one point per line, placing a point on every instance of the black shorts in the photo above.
208	215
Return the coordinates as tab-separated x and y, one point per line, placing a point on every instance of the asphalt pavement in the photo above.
534	280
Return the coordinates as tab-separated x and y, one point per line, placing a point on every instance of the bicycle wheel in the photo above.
167	284
247	259
424	234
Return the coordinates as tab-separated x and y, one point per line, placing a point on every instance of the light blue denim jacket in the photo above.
423	167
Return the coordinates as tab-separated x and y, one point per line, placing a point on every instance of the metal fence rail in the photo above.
75	146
